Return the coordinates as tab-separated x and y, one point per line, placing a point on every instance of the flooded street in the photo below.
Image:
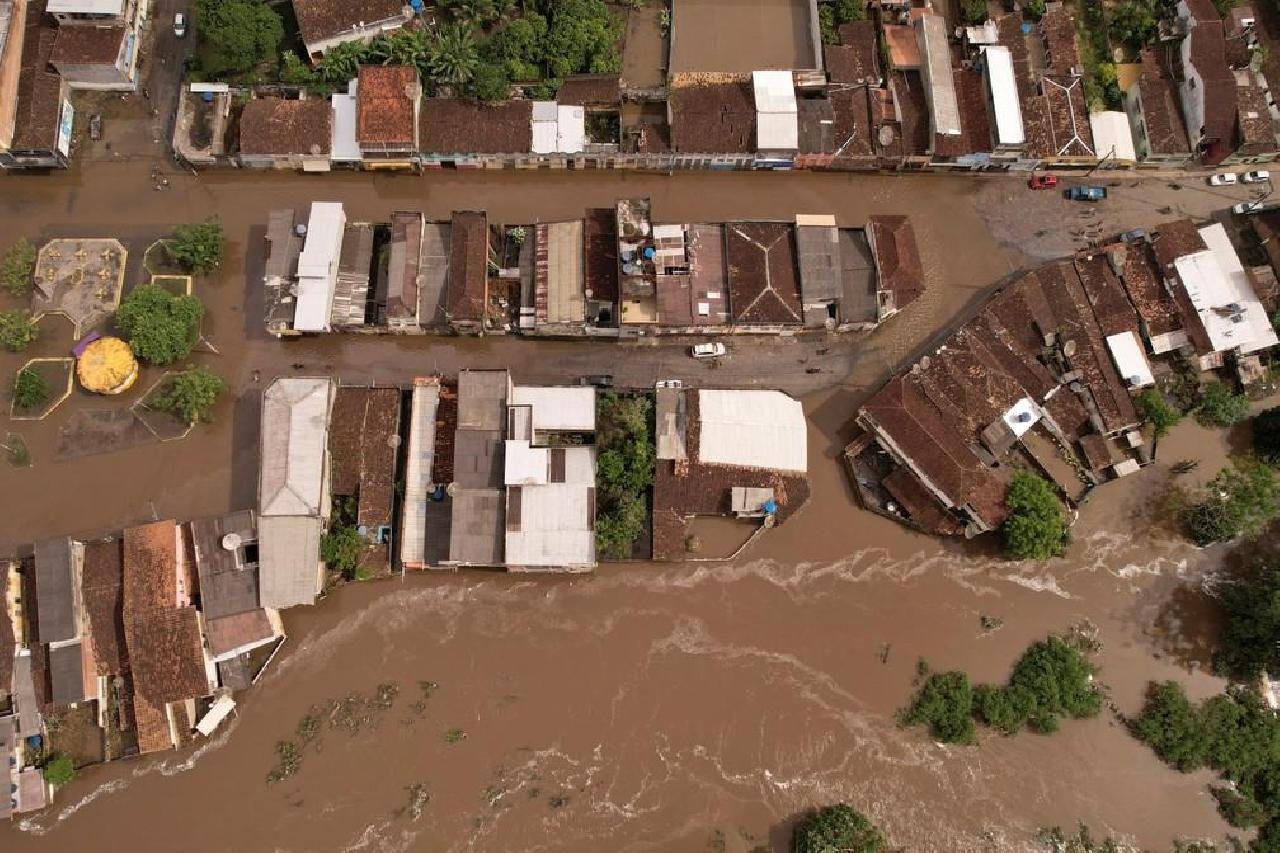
648	707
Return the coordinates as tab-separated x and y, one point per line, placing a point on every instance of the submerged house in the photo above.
293	489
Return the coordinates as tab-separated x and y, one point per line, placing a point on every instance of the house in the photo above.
837	278
388	98
225	551
286	134
424	534
163	634
899	274
404	270
293	489
467	290
98	43
324	24
763	280
1113	139
1155	114
102	585
44	116
1003	102
777	119
13	17
1207	87
466	134
318	267
364	433
559	277
713	124
523	490
557	129
280	271
722	452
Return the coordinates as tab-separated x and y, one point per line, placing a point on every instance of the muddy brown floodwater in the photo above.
648	707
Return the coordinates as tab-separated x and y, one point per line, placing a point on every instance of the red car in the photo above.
1043	182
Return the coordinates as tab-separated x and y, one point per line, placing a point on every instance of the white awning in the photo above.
218	711
1130	360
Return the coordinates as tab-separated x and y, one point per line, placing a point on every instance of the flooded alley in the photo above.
649	706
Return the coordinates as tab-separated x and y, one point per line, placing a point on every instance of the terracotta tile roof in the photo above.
454	126
150	561
1256	133
897	257
913	109
1161	107
763	282
713	118
274	126
319	20
1142	278
166	655
924	510
601	238
87	45
151	726
1106	295
103	594
363	457
7	643
856	59
386	104
1058	27
39	101
468	267
228	633
1208	55
588	90
853	134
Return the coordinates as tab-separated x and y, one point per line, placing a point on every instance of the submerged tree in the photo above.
837	828
17	330
190	395
1036	528
161	326
197	247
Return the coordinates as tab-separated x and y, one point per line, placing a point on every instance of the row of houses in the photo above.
614	272
127	645
496	474
1043	377
49	48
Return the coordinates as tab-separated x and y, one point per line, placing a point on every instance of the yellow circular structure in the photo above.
107	366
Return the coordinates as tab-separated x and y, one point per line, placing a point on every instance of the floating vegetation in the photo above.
455	735
288	761
351	714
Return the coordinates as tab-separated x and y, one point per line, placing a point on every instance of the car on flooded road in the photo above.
1042	182
1256	177
1224	179
708	350
1086	192
1246	207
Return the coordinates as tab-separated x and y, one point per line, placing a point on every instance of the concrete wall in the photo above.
10	69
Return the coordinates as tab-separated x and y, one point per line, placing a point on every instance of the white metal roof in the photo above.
295	433
1130	360
545	136
777	132
523	464
289	571
1112	135
558	408
545	111
1022	416
418	465
318	266
343	147
1004	95
554	527
752	429
1219	289
85	7
986	33
571	129
777	121
218	711
931	33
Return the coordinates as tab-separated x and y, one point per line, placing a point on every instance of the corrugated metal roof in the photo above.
818	250
295	424
418	464
66	674
558	407
318	266
343	147
555	527
931	32
564	272
289	560
476	535
1004	95
1219	290
1112	135
752	429
1130	360
56	570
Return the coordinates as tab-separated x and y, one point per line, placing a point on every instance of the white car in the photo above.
179	24
1255	177
1224	179
711	350
1247	207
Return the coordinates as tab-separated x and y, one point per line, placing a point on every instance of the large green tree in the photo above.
837	828
161	326
197	247
17	330
191	394
1156	411
16	267
1036	528
1220	406
1238	501
1250	606
236	36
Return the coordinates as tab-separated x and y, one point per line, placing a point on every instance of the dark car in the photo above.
1086	192
599	380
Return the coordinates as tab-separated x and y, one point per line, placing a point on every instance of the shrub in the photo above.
59	770
29	389
191	394
945	704
1036	528
1219	407
1266	436
1133	22
341	549
17	330
838	828
161	326
1003	708
1239	501
1034	9
16	268
1156	411
453	55
975	11
197	247
624	471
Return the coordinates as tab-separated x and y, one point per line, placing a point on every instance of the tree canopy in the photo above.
197	247
837	828
161	326
1266	436
16	267
17	330
1238	501
29	389
1133	22
1036	528
59	770
624	471
1156	411
190	394
1219	406
1250	607
341	548
236	36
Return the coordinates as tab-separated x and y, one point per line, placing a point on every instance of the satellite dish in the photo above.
231	541
393	441
886	135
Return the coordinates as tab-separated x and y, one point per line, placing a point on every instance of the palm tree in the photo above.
402	47
453	55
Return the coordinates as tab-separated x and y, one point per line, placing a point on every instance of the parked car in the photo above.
1246	207
668	383
1042	182
1087	192
1224	179
710	350
179	24
599	380
1256	177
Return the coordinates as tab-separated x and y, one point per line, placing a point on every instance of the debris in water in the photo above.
289	760
558	801
991	624
455	735
418	799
